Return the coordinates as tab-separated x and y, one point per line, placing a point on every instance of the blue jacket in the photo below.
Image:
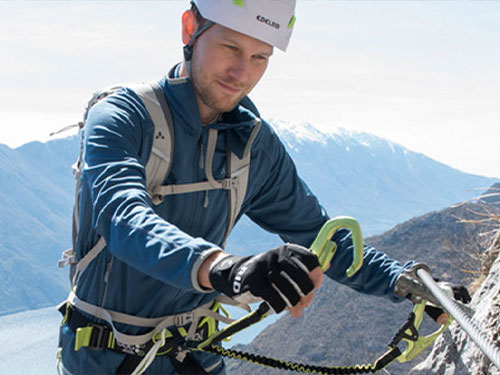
153	253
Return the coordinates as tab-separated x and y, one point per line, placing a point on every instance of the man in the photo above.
162	259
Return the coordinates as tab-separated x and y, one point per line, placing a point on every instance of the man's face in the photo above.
225	67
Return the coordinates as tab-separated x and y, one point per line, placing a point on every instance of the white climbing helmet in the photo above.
268	20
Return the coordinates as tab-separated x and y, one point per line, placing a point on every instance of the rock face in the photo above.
455	353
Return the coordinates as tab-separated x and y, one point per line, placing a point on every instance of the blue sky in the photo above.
423	74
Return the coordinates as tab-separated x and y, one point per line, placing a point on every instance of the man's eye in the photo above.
260	58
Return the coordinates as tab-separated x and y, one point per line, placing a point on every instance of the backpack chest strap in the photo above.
236	183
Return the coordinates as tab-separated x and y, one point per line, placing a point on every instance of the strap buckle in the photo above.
96	338
92	336
230	183
68	257
184	319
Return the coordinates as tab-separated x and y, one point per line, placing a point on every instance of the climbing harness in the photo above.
203	335
142	349
164	338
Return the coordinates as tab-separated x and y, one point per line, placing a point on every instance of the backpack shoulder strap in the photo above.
162	151
239	170
157	167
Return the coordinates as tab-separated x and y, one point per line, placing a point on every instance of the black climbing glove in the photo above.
460	292
278	276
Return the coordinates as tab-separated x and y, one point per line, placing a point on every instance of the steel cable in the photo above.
489	349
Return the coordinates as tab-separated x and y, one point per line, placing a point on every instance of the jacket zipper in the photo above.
202	167
109	267
195	203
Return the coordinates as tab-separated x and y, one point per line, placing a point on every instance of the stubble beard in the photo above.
210	95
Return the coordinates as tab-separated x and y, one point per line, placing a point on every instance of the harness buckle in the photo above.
68	257
184	319
96	338
229	183
92	336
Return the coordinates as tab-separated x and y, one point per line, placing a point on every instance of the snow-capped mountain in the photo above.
378	182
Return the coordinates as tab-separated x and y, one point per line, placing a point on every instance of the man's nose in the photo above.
239	70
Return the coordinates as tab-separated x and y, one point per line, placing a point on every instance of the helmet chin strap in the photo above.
188	48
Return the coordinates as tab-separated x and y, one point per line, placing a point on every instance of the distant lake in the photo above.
29	342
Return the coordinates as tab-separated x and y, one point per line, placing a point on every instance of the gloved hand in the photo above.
456	291
408	285
279	276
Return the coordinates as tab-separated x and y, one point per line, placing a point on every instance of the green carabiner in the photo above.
325	249
415	347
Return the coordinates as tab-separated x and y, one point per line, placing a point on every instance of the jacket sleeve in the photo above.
279	201
117	147
378	274
286	206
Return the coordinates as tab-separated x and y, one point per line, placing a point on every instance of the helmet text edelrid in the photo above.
269	22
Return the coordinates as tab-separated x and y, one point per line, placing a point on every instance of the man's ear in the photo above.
188	26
